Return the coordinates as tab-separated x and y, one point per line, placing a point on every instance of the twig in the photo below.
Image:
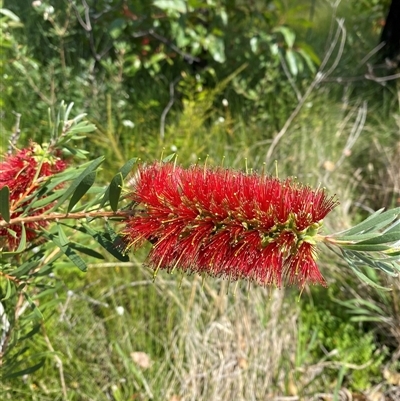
58	363
355	132
371	53
15	135
63	216
86	25
382	79
168	106
317	80
186	56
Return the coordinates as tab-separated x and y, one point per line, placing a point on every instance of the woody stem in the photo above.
63	216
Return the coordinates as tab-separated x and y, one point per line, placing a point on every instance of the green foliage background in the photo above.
218	79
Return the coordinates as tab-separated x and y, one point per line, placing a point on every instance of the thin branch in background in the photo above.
354	133
16	134
186	56
151	32
340	31
87	26
59	363
382	79
371	53
168	106
319	77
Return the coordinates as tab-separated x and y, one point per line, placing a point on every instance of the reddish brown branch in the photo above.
64	216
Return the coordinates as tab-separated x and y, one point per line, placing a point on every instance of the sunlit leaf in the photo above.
22	240
292	62
288	35
171	5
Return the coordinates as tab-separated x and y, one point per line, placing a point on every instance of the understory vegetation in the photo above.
292	88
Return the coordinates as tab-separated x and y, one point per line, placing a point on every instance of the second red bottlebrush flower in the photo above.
22	172
228	223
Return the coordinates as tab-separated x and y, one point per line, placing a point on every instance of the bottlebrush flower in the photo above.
22	172
227	223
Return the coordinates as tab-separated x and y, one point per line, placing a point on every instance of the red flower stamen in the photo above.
20	173
227	223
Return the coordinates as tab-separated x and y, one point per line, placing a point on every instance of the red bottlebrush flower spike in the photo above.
227	223
20	173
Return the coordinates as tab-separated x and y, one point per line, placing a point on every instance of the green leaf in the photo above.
292	62
366	260
86	250
81	127
389	237
115	191
116	184
23	372
366	279
81	189
105	242
308	53
365	248
68	252
171	5
89	169
357	237
288	35
31	333
5	203
47	200
217	48
377	218
10	287
360	227
169	158
9	14
61	236
22	242
393	227
26	267
35	309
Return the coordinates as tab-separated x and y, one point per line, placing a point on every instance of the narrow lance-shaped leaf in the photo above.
363	277
81	189
5	203
68	252
116	184
23	372
61	236
383	238
22	242
92	167
377	218
105	242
